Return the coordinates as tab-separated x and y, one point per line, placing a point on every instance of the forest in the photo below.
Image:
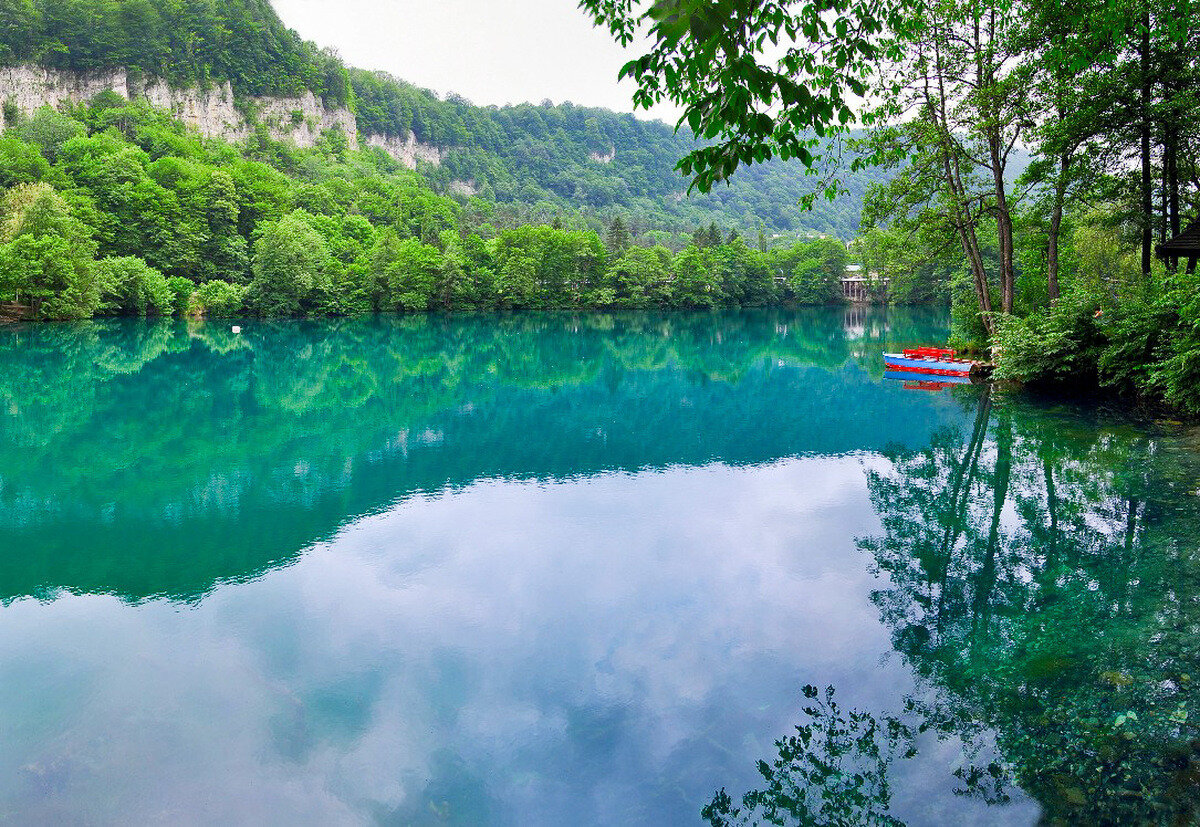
115	209
538	160
1052	269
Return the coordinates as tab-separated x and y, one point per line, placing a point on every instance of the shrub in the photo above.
217	298
1062	342
129	285
181	293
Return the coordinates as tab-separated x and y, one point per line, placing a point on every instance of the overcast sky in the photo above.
490	52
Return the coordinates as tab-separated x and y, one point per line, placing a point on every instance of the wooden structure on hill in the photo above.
1185	245
14	312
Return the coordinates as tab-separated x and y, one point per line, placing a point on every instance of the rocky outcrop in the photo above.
604	158
406	150
31	87
211	111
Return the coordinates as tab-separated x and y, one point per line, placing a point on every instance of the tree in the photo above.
21	163
964	91
639	278
130	286
695	283
48	130
710	59
617	237
413	275
226	247
47	255
291	267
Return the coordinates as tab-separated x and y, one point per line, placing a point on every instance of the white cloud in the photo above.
489	52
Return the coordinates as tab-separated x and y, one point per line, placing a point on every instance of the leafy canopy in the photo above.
759	79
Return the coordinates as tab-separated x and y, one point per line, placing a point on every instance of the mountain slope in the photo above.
538	159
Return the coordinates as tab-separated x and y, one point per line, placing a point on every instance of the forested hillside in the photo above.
536	160
114	207
566	156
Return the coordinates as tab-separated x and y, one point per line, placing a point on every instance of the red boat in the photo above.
931	361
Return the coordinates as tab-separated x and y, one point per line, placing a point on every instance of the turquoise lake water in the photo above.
579	569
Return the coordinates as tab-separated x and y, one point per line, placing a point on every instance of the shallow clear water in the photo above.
578	569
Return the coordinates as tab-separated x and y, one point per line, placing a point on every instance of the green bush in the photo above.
129	286
215	299
1061	343
1176	374
181	293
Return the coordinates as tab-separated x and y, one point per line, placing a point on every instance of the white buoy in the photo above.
236	329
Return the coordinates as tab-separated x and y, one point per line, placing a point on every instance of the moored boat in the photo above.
926	381
930	361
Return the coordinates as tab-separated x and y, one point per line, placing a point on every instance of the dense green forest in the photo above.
554	158
538	160
1055	272
115	208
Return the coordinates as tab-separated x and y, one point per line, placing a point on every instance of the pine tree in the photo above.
714	235
617	237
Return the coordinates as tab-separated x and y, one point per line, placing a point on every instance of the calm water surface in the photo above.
580	570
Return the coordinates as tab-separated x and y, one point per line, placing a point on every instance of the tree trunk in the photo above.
1172	164
1056	216
960	209
1147	205
1004	230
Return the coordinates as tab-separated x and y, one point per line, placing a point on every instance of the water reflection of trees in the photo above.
1041	574
832	771
194	455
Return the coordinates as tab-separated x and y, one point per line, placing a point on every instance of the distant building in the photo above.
857	286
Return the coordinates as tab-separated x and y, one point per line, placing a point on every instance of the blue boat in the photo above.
929	361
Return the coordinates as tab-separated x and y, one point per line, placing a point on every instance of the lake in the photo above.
582	569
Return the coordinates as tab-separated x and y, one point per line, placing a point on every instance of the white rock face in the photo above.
33	87
406	150
604	159
300	120
210	112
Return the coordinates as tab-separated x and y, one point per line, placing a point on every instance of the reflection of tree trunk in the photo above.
986	579
1131	526
960	491
1052	507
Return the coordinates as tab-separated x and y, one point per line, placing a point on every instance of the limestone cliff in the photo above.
406	150
211	111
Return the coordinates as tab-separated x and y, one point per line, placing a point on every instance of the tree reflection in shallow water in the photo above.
1041	576
148	459
834	770
306	485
